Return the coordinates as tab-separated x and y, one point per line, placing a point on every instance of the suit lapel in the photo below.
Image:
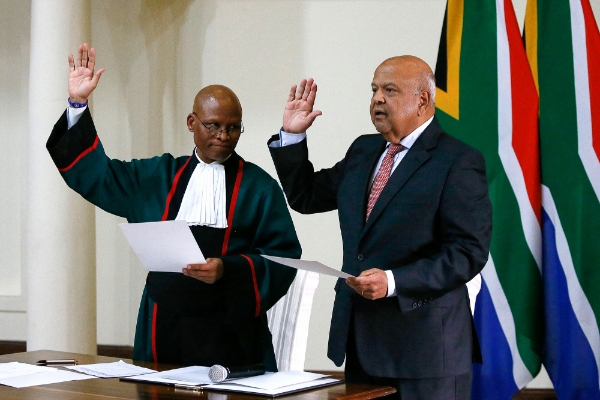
417	155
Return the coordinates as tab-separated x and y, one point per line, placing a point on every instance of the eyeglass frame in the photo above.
216	132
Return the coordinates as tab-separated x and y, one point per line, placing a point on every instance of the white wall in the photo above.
157	55
14	100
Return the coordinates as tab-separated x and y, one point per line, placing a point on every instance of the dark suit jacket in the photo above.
431	226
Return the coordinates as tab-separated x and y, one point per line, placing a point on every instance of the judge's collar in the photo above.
214	162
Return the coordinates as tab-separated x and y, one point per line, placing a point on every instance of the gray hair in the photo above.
426	82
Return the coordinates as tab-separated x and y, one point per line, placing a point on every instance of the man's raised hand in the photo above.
82	80
299	115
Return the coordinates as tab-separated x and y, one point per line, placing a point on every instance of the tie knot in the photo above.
394	149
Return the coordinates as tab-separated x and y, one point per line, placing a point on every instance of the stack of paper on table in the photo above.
21	375
269	384
111	370
275	384
191	376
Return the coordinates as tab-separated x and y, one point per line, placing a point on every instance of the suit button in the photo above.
360	257
414	305
420	303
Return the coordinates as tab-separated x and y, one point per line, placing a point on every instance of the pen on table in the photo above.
57	362
187	387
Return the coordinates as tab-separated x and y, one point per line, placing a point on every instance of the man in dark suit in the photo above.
415	219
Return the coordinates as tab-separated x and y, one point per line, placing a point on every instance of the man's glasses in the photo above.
216	129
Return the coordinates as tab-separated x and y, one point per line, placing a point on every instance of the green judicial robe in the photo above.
182	320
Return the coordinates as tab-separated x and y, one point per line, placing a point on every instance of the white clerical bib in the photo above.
204	198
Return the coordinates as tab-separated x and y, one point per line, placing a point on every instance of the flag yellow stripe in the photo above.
449	101
531	38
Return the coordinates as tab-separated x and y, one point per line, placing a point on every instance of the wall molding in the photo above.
10	346
13	303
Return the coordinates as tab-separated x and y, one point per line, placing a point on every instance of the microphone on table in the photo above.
219	373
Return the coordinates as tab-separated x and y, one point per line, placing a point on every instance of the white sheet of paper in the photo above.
43	378
111	370
194	375
10	369
313	266
271	381
165	246
232	387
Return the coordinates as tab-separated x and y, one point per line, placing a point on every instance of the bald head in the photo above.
403	96
416	69
217	94
216	121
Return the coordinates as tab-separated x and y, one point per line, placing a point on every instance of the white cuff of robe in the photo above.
287	139
73	115
391	283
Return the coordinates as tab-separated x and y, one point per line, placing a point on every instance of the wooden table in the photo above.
113	389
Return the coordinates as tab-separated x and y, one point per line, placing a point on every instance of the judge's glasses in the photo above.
216	130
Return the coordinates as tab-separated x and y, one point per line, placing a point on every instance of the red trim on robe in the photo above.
256	293
85	152
173	188
154	313
234	196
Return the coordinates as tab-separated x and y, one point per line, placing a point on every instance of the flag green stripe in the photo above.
478	125
562	169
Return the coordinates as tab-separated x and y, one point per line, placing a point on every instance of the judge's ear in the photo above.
190	122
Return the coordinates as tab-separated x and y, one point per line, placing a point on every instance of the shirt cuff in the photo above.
391	283
287	139
73	115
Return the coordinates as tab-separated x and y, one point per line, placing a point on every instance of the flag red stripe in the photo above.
593	57
525	136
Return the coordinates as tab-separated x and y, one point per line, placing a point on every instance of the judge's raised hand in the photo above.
210	272
299	115
82	80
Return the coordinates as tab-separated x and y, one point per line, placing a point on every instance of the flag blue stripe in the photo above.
569	359
494	380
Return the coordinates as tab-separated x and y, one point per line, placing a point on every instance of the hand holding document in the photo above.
165	246
313	266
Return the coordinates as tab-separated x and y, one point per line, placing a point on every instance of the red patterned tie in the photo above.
382	176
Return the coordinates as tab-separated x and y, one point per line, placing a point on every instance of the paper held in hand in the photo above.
165	246
313	266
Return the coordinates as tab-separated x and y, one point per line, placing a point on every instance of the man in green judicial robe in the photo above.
213	313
